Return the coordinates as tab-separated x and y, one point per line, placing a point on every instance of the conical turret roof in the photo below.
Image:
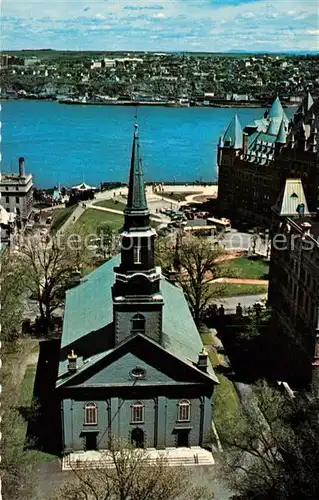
282	134
276	109
273	127
234	133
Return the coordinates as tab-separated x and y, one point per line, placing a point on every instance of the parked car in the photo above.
49	220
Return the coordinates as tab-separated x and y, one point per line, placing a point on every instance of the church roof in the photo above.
89	308
136	191
234	133
290	198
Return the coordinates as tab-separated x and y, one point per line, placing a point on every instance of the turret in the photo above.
281	137
233	136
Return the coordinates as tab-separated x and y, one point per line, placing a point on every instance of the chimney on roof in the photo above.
72	358
202	362
21	167
306	226
245	143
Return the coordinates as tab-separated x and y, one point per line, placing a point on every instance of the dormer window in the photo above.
138	324
137	255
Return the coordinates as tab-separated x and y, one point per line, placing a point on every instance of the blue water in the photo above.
68	144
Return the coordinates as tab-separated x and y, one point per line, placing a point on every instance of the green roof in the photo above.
282	134
89	308
234	134
276	110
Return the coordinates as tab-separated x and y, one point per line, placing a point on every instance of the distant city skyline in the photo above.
162	25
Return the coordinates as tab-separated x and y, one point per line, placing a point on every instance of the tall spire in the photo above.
136	200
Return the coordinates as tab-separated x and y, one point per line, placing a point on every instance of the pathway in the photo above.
240	281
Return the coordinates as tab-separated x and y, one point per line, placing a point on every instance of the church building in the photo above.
132	363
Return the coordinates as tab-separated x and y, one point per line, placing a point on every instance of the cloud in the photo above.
160	15
145	7
219	25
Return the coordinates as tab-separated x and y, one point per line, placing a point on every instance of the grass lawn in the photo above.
233	290
60	216
111	204
92	219
20	423
246	268
178	196
227	407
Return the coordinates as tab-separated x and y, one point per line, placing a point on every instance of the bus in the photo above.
221	224
208	230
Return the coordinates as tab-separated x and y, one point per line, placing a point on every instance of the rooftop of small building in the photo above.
14	178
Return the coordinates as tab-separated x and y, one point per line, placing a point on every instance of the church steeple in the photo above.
136	211
136	291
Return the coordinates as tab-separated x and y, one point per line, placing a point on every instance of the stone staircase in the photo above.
176	457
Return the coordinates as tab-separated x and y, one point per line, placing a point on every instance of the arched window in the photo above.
184	410
90	414
137	413
138	323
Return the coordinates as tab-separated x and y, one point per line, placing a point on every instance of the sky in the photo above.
161	25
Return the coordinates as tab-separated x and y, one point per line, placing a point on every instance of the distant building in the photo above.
293	285
17	192
255	162
6	61
130	367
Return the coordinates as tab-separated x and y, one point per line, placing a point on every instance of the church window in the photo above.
137	415
137	255
90	414
138	323
184	411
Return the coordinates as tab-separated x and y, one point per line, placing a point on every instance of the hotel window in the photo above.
184	411
90	414
137	255
137	413
7	199
138	323
17	199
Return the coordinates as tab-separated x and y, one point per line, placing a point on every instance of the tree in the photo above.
107	243
50	268
273	450
11	297
200	264
127	475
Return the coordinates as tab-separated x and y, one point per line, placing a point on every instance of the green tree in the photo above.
12	297
107	243
50	268
272	449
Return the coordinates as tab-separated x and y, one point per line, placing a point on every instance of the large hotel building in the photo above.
255	162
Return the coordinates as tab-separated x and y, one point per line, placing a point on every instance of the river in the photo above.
68	144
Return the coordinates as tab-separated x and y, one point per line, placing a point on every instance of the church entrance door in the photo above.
182	438
137	437
91	441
